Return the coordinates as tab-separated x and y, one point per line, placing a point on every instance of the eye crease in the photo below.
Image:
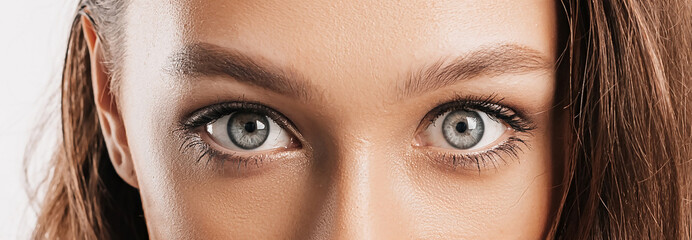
472	132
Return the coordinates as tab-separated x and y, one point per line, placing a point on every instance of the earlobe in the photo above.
110	120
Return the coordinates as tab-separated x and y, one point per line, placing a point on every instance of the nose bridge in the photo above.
353	193
361	192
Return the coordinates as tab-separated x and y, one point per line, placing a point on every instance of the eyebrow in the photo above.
203	59
485	61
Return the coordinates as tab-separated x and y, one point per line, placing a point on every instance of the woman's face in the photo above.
341	119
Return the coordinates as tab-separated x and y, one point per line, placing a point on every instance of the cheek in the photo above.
183	198
272	205
512	199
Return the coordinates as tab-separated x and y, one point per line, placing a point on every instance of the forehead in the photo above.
346	43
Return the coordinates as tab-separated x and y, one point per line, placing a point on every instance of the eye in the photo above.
486	130
248	131
463	129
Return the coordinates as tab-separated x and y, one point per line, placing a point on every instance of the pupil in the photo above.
461	127
250	126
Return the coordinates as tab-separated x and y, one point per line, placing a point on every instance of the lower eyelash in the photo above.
193	141
509	148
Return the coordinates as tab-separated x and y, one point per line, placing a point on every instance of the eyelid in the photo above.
494	131
507	146
219	133
490	105
211	113
194	137
238	153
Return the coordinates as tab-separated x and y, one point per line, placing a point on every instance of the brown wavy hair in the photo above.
627	92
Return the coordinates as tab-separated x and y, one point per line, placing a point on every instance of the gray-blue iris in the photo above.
248	130
463	129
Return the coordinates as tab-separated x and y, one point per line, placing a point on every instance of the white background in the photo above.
33	37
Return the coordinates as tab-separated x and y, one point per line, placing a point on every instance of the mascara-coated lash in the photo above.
191	132
494	108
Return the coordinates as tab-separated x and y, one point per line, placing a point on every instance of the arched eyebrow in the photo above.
203	59
488	61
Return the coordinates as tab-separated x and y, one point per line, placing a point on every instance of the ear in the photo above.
110	119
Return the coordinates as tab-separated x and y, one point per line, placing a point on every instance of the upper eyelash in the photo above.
490	105
211	113
495	110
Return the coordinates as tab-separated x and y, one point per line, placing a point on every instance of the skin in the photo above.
360	172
